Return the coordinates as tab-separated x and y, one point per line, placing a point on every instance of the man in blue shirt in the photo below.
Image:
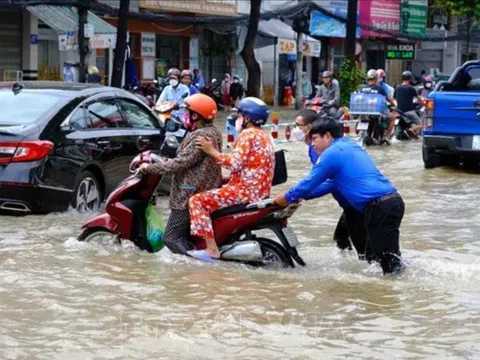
174	92
186	78
350	226
198	79
346	167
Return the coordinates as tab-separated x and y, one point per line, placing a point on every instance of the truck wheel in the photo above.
430	159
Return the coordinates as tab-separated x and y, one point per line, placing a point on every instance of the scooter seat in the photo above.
230	210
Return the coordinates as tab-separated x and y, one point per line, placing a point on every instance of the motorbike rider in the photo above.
193	171
428	85
252	167
351	222
174	92
361	183
198	79
236	90
373	88
405	94
381	81
186	78
330	91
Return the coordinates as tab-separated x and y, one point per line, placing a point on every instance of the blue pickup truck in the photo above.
452	121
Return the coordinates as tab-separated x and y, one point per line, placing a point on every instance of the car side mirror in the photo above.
66	129
444	86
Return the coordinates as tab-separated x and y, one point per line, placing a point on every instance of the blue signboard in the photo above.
323	25
34	39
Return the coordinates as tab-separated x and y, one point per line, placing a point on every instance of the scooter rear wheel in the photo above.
274	255
100	236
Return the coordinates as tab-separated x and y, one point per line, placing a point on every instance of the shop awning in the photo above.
63	19
274	29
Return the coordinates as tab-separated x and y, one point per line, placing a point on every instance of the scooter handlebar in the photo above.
260	204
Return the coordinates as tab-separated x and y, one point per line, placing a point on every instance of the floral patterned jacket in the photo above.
193	170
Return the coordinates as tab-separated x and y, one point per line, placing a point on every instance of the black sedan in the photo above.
68	144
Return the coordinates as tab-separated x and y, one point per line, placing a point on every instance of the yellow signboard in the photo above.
211	7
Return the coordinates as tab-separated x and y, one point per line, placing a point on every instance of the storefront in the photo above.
156	47
58	42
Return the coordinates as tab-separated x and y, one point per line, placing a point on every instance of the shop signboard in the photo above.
210	7
381	14
414	15
287	46
312	48
148	44
400	51
323	25
69	41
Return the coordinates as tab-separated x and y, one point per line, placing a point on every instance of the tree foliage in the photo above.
470	8
350	77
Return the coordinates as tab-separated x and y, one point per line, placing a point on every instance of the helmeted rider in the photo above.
174	92
381	81
193	171
428	86
251	165
330	91
373	88
186	78
405	94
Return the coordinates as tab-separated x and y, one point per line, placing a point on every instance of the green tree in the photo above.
350	77
470	9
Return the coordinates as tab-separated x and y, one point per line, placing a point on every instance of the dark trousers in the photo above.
351	230
138	232
382	222
177	232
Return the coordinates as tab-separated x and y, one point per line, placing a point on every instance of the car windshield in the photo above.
26	107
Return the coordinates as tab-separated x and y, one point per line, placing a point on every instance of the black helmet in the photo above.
407	75
173	72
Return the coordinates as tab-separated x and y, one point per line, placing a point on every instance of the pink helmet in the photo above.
381	73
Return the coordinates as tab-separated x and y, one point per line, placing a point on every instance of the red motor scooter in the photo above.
234	226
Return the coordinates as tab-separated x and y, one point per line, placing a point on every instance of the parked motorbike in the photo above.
213	90
235	227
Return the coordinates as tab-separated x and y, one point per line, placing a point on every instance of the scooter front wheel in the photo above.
99	236
274	255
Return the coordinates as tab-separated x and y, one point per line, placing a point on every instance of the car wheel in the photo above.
87	195
430	159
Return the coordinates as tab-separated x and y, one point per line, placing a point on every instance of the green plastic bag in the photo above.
155	228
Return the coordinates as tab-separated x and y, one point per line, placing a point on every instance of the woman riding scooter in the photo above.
193	171
252	167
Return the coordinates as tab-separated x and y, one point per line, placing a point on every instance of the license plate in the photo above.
476	142
291	236
397	121
362	126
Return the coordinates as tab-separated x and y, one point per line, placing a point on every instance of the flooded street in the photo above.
61	299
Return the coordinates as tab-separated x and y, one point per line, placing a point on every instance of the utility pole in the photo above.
82	43
121	45
299	71
351	38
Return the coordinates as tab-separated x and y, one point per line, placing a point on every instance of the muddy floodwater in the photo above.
61	299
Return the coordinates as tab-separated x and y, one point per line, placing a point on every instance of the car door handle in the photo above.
142	143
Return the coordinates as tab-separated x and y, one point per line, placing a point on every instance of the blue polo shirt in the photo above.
351	171
175	95
327	187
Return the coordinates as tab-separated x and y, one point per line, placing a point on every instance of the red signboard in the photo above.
380	14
